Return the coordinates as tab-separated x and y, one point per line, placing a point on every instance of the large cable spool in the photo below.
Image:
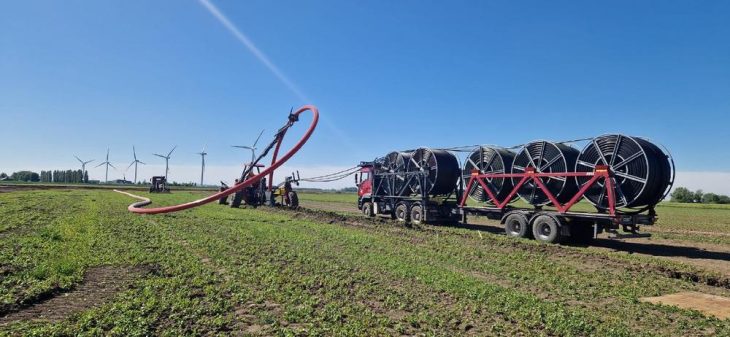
546	157
642	171
489	160
441	170
395	163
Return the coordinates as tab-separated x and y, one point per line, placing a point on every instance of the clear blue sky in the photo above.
78	76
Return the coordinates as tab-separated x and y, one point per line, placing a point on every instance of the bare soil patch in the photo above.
713	305
6	189
99	285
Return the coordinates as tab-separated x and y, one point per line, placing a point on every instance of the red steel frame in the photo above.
600	172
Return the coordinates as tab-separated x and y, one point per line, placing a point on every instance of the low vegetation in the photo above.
216	270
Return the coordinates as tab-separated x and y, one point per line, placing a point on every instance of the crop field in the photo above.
76	262
700	223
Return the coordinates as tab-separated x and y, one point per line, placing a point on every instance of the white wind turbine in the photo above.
202	166
107	163
167	160
252	147
83	166
135	162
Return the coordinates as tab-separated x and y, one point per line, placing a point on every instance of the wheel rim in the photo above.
544	230
416	214
515	227
400	213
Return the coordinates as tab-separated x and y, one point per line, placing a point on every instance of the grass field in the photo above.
215	270
677	221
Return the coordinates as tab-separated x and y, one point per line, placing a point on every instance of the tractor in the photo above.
159	185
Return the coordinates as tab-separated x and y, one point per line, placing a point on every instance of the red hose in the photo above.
136	207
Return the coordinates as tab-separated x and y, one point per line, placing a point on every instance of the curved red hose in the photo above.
136	207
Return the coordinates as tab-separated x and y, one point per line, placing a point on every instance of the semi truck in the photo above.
622	179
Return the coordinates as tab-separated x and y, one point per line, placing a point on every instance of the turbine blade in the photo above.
159	155
143	163
77	158
99	164
173	149
110	164
130	165
134	151
257	138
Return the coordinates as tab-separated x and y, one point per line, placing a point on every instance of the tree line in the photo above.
683	194
54	176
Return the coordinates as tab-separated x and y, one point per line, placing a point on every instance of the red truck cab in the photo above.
364	182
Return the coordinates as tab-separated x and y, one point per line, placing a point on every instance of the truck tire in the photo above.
516	225
416	214
547	229
293	200
367	209
401	212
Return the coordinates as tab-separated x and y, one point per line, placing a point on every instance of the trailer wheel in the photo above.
516	225
367	209
401	212
546	229
416	214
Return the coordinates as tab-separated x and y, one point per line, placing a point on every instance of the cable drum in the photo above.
489	160
642	171
546	157
441	170
395	162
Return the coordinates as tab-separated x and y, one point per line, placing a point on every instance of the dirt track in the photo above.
707	256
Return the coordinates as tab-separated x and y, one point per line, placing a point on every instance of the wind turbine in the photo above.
83	166
252	147
202	167
135	162
167	160
107	163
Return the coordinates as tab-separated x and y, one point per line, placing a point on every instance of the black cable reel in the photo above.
546	157
642	172
489	160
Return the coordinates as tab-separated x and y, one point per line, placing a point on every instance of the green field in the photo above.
214	270
676	221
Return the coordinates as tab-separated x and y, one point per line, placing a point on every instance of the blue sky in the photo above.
78	76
